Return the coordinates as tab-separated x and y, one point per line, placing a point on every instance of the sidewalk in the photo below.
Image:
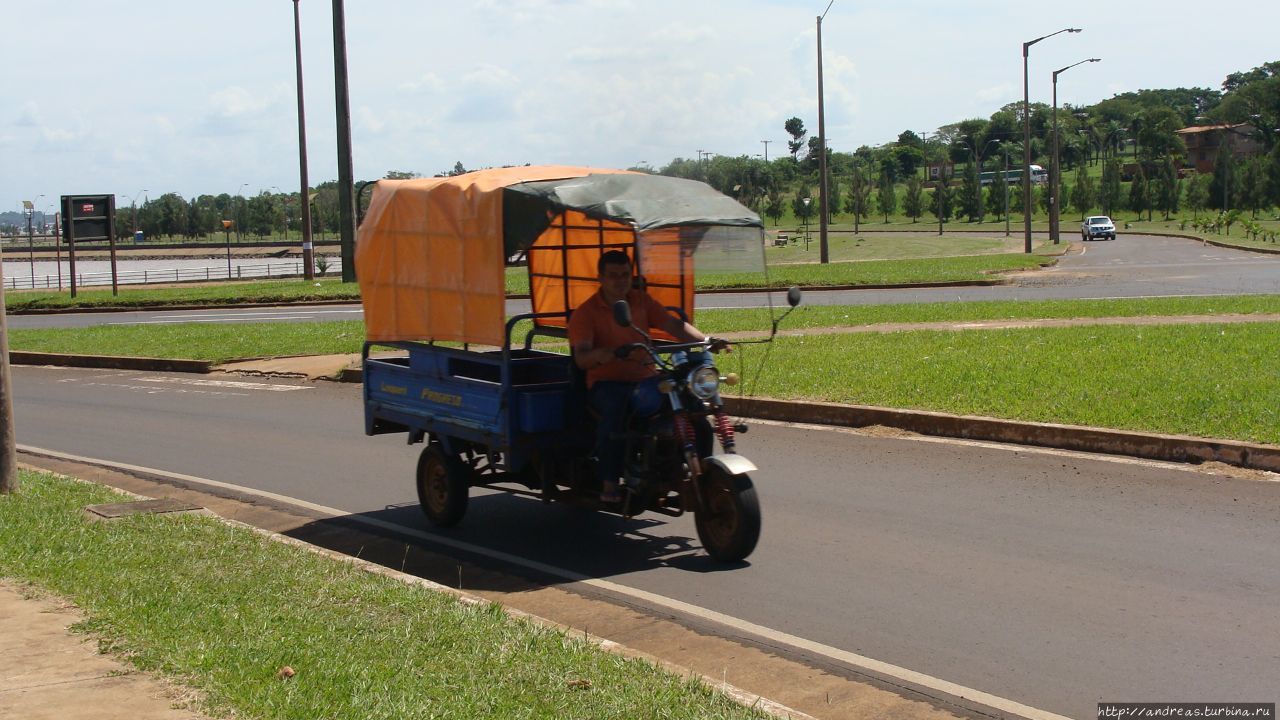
51	673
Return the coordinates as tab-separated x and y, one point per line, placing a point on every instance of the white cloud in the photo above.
429	83
29	115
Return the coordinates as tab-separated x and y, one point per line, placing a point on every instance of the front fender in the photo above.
731	464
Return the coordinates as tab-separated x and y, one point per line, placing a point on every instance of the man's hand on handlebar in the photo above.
719	345
635	352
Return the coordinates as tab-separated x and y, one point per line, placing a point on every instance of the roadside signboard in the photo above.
85	218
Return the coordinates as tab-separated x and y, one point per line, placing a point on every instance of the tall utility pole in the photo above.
346	182
1026	135
8	447
823	252
1055	172
308	262
766	149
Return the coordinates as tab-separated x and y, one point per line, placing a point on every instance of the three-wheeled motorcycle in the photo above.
499	401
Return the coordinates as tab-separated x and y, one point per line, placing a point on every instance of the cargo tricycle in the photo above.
497	400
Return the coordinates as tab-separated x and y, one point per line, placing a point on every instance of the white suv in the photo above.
1098	226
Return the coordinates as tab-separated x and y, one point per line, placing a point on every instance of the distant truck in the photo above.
1097	226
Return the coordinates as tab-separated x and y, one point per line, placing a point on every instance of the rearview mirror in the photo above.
793	296
622	313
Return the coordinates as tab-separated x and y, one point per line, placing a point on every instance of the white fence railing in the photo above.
290	268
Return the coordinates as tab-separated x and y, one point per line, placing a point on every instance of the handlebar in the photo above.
624	351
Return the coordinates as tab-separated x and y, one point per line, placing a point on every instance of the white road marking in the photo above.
236	384
266	313
264	316
767	634
211	320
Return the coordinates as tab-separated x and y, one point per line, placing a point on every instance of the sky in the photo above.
145	97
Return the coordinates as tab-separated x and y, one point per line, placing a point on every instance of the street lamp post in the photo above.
1055	180
31	238
239	226
1005	181
806	224
822	152
307	260
133	206
1026	135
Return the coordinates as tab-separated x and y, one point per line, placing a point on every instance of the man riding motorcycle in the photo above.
620	386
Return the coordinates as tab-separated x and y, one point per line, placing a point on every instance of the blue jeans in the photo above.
615	402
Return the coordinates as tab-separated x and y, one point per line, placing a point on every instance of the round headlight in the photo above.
704	383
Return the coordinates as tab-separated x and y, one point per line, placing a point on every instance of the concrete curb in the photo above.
113	362
1175	448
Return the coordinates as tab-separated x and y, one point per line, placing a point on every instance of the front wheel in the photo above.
729	520
442	487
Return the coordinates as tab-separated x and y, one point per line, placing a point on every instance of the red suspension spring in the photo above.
724	429
685	430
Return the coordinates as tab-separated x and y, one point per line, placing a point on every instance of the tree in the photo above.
1197	193
834	204
1164	193
886	195
169	216
909	159
1082	194
1225	185
1273	176
995	196
1139	198
261	214
942	201
913	201
1158	134
1253	187
775	207
799	207
859	195
1110	193
795	128
970	200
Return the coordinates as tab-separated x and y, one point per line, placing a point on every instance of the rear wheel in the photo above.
442	486
729	520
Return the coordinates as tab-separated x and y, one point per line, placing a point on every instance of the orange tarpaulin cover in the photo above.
436	269
430	253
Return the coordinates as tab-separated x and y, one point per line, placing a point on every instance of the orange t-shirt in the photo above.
593	323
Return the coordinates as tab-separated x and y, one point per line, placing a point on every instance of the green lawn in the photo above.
222	609
1208	380
820	316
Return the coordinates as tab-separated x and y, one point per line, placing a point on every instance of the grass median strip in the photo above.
819	316
222	609
1207	380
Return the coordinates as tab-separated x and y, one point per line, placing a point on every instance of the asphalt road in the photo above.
1056	580
1131	266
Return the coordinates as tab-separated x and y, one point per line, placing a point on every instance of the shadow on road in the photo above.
558	543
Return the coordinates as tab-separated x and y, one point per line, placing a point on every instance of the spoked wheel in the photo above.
442	487
729	520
